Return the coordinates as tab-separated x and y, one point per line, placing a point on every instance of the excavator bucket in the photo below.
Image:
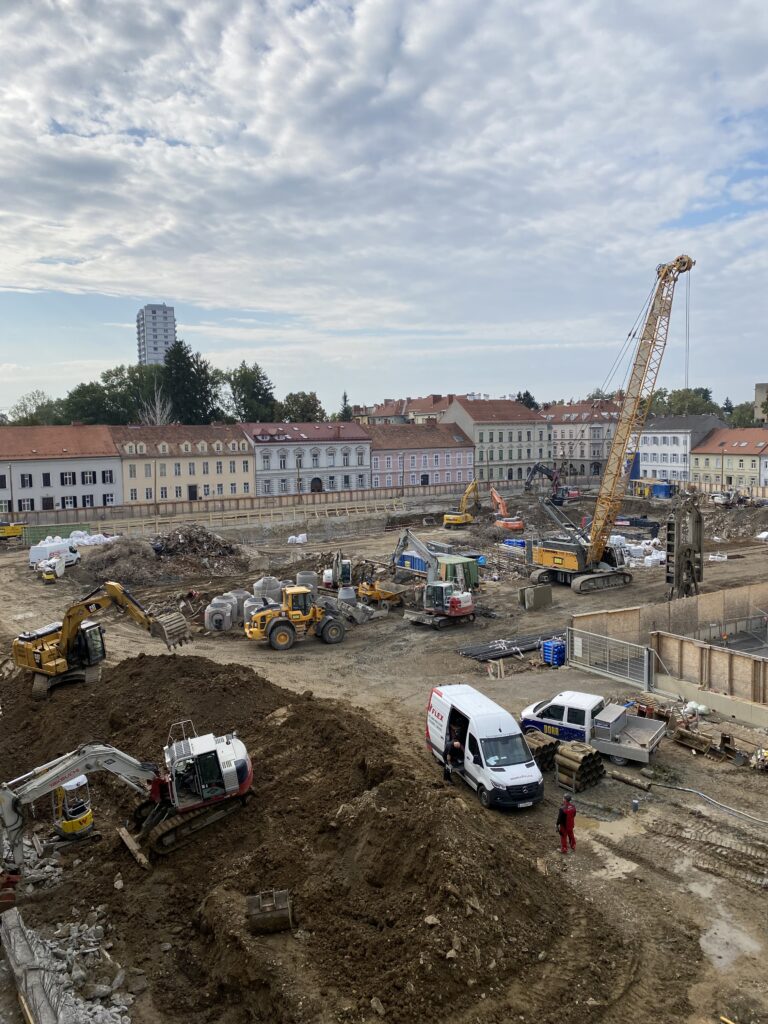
270	911
172	628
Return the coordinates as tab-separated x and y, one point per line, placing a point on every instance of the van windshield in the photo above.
505	750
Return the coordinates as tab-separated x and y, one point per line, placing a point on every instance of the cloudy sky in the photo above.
389	196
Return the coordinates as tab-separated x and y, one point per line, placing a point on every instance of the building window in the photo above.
148	494
232	466
436	458
459	476
163	469
435	478
299	461
206	490
219	489
133	494
345	458
413	478
26	504
147	470
233	488
245	465
316	459
331	483
361	457
388	481
177	469
107	476
375	462
107	499
459	458
346	482
163	493
375	482
47	505
413	462
388	462
283	485
469	458
46	480
87	501
177	492
282	461
88	476
246	488
131	471
480	437
68	479
190	469
361	480
206	468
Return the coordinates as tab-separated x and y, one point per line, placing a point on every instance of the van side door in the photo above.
576	725
473	762
552	718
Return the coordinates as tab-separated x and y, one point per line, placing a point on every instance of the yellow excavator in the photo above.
74	649
462	516
589	562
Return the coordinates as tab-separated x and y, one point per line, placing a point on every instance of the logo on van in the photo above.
433	711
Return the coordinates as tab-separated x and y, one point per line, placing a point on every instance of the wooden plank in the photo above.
133	846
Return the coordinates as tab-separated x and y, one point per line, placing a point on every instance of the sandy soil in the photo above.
668	904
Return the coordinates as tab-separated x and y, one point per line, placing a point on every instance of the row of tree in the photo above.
186	389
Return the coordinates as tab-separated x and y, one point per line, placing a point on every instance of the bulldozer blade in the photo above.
133	846
172	628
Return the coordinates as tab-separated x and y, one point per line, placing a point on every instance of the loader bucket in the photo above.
172	628
270	911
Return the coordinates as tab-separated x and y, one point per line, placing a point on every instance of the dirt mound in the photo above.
404	890
188	551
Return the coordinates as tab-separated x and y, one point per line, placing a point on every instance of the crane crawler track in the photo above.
600	581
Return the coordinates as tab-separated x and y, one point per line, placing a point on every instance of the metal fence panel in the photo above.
616	659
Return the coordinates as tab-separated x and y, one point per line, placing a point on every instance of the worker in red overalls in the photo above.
565	819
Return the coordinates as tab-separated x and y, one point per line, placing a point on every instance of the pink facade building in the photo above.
404	455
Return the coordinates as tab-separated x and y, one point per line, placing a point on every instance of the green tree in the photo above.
743	415
597	394
727	407
527	399
252	394
36	408
660	402
345	412
89	403
192	384
301	407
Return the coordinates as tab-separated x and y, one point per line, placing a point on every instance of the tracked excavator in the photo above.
588	562
74	649
204	779
501	516
468	508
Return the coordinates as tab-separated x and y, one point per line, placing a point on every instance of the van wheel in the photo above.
620	761
484	796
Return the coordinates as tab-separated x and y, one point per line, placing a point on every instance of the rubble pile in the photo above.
733	523
187	551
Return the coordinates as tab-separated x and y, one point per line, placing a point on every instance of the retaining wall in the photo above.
716	669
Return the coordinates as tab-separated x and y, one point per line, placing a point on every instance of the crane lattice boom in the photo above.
634	408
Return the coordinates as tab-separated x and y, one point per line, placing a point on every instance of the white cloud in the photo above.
504	176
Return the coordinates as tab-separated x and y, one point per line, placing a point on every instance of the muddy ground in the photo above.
658	916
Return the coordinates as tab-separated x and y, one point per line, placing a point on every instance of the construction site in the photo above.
246	776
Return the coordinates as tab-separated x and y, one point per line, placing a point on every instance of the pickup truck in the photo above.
572	715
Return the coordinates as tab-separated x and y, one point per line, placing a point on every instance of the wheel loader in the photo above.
73	650
294	618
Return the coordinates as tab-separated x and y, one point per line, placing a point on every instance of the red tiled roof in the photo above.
175	434
78	441
734	441
300	433
499	410
417	435
582	412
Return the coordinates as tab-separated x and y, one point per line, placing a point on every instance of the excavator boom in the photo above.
635	406
170	627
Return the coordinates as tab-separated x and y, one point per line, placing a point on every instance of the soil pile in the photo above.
734	523
188	551
407	898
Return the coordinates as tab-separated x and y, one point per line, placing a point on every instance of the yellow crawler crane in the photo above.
591	563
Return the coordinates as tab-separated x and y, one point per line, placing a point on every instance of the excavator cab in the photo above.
90	643
437	597
72	814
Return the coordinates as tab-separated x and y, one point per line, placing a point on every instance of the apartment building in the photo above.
667	442
300	458
183	463
733	457
420	454
155	333
403	410
582	433
66	467
508	437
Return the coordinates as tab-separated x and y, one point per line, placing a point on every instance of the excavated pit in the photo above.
404	891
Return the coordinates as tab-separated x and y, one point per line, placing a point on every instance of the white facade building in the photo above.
155	333
302	458
666	443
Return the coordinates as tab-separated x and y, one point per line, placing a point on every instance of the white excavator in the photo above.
204	779
444	602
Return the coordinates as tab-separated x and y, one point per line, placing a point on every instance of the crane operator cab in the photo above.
72	813
206	768
443	598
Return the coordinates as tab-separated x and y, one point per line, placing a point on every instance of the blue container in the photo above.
410	560
512	542
662	491
553	652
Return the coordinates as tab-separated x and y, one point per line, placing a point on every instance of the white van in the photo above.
498	763
56	549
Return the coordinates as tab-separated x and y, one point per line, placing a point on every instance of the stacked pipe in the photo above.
578	765
495	649
543	749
